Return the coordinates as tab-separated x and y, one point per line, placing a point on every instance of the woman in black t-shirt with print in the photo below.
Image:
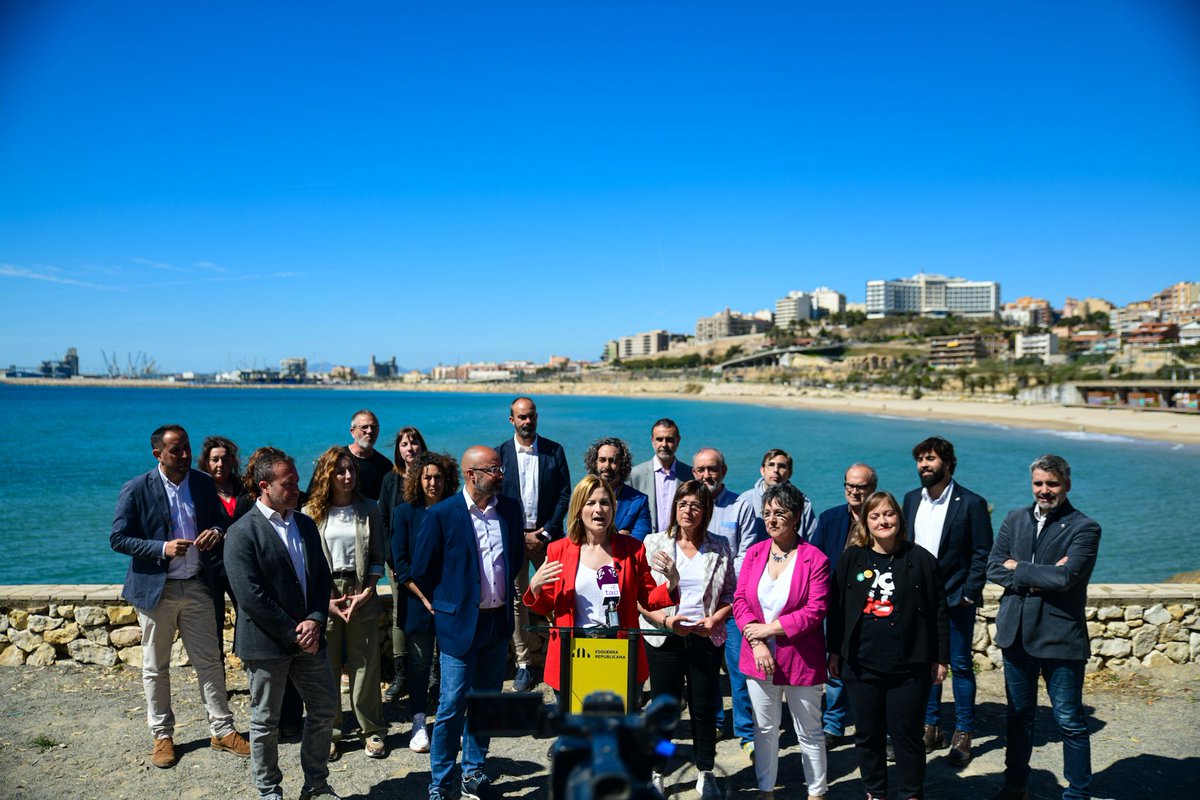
888	640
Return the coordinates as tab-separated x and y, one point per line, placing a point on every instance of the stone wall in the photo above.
1131	626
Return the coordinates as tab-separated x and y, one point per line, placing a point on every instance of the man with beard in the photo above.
659	477
536	475
776	469
1043	558
468	547
953	524
372	464
610	459
734	521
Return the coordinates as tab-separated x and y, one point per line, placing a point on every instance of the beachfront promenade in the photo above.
1131	626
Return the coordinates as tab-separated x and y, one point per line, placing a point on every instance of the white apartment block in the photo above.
643	344
796	306
930	295
827	300
1041	345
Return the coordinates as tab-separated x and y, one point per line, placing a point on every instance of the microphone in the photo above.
610	591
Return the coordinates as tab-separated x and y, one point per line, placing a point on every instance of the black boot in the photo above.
399	686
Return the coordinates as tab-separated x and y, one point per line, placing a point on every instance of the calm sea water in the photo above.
65	452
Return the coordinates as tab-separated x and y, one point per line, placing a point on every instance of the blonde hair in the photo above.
583	490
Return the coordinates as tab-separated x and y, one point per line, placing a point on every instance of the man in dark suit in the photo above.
279	573
468	547
952	523
166	521
1043	557
659	477
536	475
833	529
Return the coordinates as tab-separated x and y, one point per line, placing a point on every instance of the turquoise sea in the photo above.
66	451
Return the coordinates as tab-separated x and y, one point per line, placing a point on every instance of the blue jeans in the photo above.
312	677
481	668
743	712
837	708
962	673
1064	685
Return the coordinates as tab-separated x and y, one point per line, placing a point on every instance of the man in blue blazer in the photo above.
954	524
468	548
536	476
279	574
1043	557
609	458
167	522
833	530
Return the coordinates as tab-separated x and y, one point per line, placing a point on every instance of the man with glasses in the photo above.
468	548
833	528
735	522
776	469
372	464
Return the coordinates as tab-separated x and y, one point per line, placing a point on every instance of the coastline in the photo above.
1177	428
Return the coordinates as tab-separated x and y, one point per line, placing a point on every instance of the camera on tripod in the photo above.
602	753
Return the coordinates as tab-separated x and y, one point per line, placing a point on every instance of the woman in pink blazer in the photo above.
780	606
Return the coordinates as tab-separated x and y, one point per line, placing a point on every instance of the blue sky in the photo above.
227	184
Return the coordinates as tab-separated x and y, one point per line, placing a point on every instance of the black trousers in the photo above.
883	704
694	661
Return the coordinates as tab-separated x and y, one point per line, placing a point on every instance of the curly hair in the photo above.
413	494
320	495
624	457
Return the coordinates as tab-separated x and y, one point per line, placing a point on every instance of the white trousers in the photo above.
185	606
805	703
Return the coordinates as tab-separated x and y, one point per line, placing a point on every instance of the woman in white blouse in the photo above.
693	652
780	607
352	538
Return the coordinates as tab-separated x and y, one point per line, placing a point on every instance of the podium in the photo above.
597	659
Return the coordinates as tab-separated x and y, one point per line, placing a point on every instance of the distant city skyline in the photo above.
229	185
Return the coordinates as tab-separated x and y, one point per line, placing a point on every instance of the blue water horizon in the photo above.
66	451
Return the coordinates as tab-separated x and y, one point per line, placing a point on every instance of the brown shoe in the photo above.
960	749
934	738
164	753
232	742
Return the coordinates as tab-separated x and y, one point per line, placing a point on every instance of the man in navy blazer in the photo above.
833	529
536	476
952	523
167	522
281	579
1043	557
468	548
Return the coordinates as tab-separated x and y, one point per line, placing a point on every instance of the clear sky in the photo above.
223	184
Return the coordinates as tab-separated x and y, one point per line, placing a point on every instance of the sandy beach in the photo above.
1176	427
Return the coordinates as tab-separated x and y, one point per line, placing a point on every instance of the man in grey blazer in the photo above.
167	522
1043	557
282	583
659	477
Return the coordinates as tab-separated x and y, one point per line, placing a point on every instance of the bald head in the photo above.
708	465
482	473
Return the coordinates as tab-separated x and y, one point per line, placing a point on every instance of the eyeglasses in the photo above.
366	427
857	487
684	505
496	470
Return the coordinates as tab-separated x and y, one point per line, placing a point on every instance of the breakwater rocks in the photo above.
1132	626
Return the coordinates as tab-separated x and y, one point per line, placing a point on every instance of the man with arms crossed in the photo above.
536	475
1043	558
833	529
952	523
166	522
281	578
467	549
659	477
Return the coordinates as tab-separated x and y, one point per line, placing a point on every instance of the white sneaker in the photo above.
656	780
419	741
706	786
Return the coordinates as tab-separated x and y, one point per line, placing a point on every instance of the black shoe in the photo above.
398	687
890	751
1011	794
522	681
476	788
833	740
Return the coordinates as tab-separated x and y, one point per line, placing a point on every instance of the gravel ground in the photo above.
80	732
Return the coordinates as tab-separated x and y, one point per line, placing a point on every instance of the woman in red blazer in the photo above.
569	583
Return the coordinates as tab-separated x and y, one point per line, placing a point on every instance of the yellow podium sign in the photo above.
599	665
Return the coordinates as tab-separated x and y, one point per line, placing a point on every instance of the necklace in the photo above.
781	556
